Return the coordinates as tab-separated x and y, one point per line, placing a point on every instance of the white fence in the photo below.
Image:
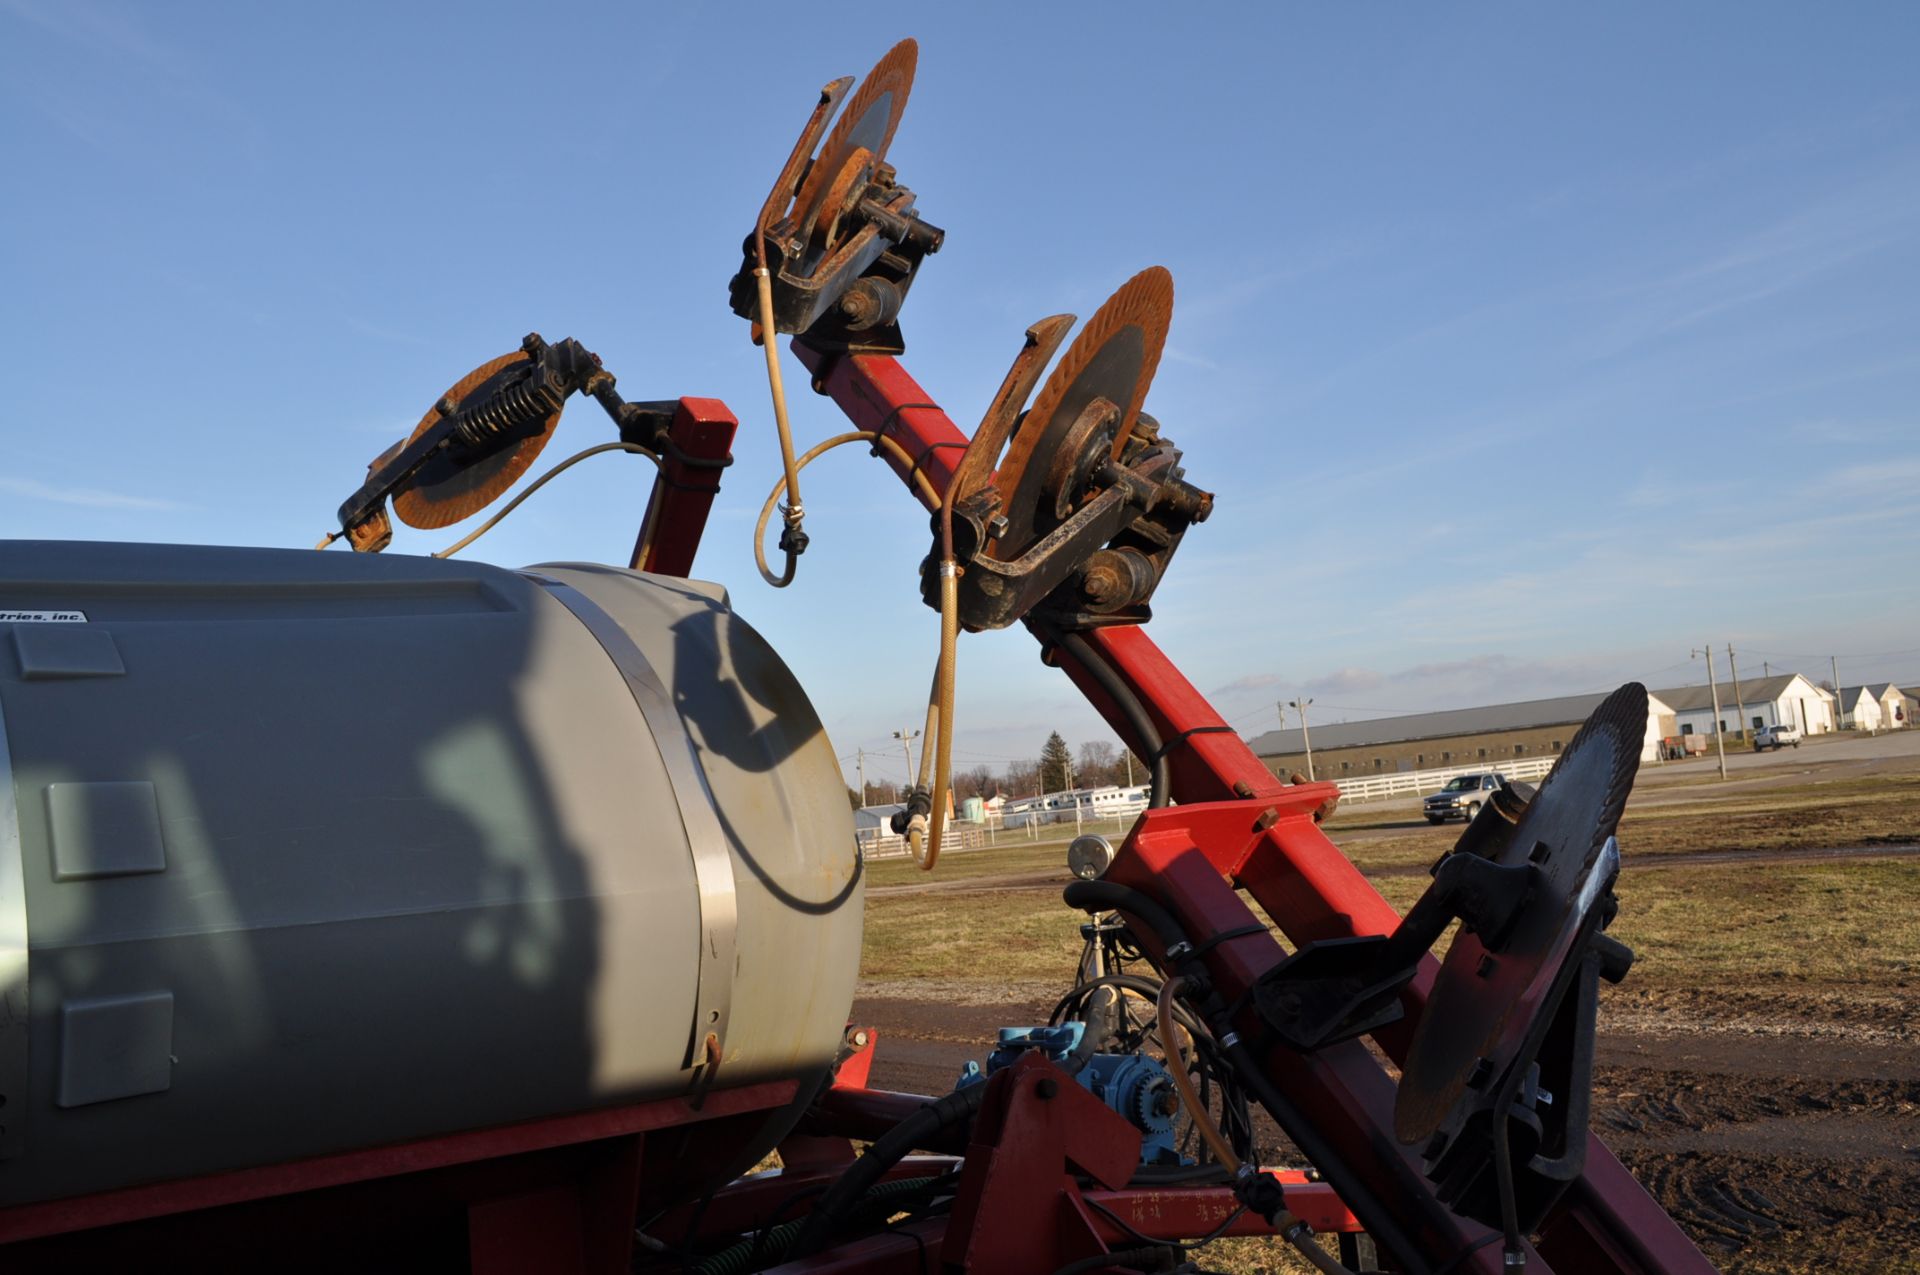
891	845
972	836
1049	825
1414	782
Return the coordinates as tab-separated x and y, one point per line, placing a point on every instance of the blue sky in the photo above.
1526	347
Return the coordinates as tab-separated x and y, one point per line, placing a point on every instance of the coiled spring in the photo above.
507	415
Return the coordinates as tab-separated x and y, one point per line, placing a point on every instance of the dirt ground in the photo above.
1776	1117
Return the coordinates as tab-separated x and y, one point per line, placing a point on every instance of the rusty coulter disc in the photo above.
856	147
450	486
1114	358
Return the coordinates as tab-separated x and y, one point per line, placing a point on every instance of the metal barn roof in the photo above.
1485	720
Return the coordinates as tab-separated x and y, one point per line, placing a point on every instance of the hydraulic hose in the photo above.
838	440
926	846
761	1250
925	839
1196	1110
1153	1257
886	1152
536	485
1109	896
1130	706
1291	1228
793	514
1381	1224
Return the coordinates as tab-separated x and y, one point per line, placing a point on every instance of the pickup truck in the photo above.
1775	737
1462	797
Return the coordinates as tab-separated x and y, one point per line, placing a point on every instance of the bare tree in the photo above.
1023	779
1097	758
978	782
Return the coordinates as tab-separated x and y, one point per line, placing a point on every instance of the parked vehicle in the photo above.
1775	737
1462	797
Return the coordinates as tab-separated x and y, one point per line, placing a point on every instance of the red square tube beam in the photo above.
1262	838
676	516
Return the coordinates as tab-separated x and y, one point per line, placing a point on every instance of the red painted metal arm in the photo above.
876	394
1261	836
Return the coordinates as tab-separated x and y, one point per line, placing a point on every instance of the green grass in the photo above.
988	938
1015	857
1854	922
1847	922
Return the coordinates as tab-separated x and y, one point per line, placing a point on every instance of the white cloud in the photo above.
89	497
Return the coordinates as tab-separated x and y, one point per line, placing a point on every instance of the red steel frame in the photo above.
1238	825
676	516
554	1195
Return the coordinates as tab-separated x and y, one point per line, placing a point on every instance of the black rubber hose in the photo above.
892	1147
1162	1256
1107	896
1133	982
1380	1223
759	1251
1161	791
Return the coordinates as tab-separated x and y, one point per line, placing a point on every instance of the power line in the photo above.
1843	655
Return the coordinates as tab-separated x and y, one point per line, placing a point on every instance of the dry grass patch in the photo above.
1855	922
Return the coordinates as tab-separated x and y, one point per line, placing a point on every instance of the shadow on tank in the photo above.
749	717
376	915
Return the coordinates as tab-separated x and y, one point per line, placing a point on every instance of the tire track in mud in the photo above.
1757	1167
1794	1153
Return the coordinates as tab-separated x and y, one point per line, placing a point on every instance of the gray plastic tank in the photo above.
302	852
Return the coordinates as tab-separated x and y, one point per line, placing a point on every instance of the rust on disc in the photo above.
1114	358
448	488
868	124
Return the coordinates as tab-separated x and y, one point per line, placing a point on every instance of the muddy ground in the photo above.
1782	1132
1778	1123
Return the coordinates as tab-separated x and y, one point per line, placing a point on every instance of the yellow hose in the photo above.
940	718
770	341
838	440
1189	1097
534	486
1289	1226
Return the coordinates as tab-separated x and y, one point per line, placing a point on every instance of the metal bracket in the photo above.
706	841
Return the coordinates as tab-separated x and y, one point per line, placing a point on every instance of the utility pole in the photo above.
1129	753
1719	741
1739	705
860	761
1300	706
1839	705
1071	794
906	738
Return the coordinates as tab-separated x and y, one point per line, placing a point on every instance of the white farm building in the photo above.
1874	708
1785	699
